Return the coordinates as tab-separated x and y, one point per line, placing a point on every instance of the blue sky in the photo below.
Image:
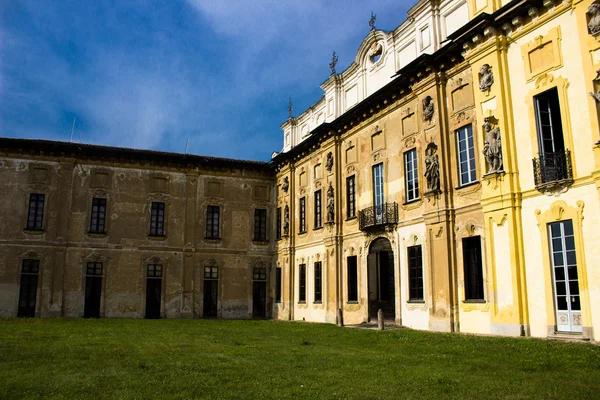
150	74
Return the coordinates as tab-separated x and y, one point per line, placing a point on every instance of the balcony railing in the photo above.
553	169
378	216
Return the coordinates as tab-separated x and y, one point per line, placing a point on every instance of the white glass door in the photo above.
566	281
378	193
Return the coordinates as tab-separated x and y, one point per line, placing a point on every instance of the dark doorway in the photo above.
382	293
153	291
211	286
28	290
259	293
93	290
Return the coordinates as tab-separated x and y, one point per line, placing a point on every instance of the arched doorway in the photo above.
380	268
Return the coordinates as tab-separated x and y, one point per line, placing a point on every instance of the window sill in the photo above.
352	302
34	231
277	302
351	218
302	233
96	234
260	242
466	185
409	202
157	237
302	302
211	238
318	228
416	302
476	301
317	302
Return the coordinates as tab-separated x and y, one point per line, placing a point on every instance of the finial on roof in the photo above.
333	63
291	108
372	21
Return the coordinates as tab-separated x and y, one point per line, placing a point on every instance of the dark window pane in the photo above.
352	275
561	302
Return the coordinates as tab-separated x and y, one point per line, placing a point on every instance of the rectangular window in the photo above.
157	219
303	215
278	224
94	269
154	271
260	225
415	273
318	282
318	214
212	222
28	288
378	185
473	268
549	123
277	285
411	175
302	284
466	155
350	197
352	279
98	215
211	273
35	217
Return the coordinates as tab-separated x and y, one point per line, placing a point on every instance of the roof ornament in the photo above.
333	63
291	108
372	21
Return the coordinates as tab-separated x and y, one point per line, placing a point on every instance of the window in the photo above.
94	269
318	283
352	279
28	290
277	285
154	271
466	155
35	216
473	268
318	214
259	274
212	222
415	273
549	123
260	225
378	185
211	272
278	224
411	175
98	215
157	219
303	215
350	197
302	292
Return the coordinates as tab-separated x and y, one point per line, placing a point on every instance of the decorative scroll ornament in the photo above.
492	148
333	63
593	15
329	162
428	108
330	205
286	184
286	220
432	168
372	21
486	77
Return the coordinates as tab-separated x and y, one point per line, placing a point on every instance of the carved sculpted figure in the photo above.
492	148
286	220
432	168
375	50
286	184
330	205
486	77
329	162
593	13
428	108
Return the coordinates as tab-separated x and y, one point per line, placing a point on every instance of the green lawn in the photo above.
113	358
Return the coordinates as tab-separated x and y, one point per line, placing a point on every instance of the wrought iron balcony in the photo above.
378	217
552	170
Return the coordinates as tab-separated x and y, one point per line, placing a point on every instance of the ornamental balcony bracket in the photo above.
378	217
553	172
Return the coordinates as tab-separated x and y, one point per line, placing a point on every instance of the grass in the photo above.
184	359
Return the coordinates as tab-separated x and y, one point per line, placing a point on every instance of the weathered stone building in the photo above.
450	176
101	231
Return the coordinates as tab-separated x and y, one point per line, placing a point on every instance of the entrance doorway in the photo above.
93	290
380	266
28	290
259	293
211	287
153	290
566	281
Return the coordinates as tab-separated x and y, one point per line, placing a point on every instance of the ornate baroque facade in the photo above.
462	150
450	176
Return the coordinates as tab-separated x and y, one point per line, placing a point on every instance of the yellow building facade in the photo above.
459	194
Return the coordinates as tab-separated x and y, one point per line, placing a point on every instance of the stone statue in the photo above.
432	168
291	108
372	21
596	96
492	148
486	77
286	184
286	220
330	205
593	13
375	50
329	162
428	108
